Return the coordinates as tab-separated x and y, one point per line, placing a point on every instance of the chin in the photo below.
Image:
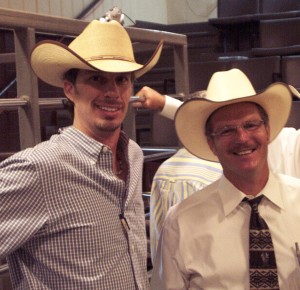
109	127
249	167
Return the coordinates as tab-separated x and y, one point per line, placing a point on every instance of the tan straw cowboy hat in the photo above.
102	46
225	88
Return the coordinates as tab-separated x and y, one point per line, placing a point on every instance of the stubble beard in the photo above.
107	127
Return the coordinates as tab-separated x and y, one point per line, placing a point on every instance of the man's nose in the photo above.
241	133
111	89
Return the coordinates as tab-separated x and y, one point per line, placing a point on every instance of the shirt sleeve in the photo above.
22	210
168	270
284	152
158	209
170	108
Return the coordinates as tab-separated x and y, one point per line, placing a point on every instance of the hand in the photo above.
150	99
294	91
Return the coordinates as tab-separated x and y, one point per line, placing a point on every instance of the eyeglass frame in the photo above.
233	128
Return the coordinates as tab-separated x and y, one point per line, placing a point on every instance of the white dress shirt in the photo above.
204	243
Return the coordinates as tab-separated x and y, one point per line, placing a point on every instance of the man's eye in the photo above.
226	131
251	126
95	78
122	80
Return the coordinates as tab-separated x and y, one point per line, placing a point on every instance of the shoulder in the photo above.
288	180
135	156
288	132
289	188
180	157
134	148
46	151
287	136
184	158
198	204
26	154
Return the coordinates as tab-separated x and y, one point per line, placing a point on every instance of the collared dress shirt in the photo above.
183	174
204	243
59	216
176	179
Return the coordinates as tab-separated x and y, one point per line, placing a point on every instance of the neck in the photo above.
250	183
108	138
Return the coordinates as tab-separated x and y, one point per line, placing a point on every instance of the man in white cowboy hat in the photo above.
72	214
189	173
205	239
284	150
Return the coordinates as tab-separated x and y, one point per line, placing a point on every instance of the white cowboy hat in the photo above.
225	88
102	46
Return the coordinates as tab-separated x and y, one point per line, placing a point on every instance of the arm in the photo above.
168	270
158	211
284	152
22	210
151	99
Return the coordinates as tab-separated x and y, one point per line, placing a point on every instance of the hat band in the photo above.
101	57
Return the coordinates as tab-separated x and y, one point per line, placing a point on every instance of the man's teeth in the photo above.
244	152
109	109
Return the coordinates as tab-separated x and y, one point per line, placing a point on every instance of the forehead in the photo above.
235	112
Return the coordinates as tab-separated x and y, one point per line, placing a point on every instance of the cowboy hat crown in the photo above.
102	46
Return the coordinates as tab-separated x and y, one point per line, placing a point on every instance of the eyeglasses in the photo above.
231	130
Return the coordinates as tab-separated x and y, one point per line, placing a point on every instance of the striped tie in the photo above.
263	269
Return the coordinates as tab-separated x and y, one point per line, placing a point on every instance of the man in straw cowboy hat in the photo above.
183	174
205	239
72	214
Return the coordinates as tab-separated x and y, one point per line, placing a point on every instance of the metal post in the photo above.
29	116
181	70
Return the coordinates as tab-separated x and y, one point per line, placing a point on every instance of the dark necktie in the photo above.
263	269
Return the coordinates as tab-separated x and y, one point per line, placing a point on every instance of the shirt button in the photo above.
132	248
105	149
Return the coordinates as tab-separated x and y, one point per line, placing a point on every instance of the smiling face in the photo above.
100	101
243	151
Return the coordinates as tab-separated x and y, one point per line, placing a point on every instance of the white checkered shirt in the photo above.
59	216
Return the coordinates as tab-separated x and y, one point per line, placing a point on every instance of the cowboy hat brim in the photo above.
191	117
50	60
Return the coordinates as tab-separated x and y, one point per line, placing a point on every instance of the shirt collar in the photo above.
272	191
231	197
88	145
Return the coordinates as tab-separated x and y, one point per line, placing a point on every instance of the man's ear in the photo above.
68	89
211	144
268	132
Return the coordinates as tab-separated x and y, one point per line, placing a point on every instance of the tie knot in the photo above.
254	202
